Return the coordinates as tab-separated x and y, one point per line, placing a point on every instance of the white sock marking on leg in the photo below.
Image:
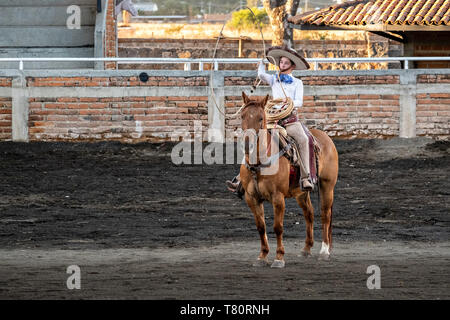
325	248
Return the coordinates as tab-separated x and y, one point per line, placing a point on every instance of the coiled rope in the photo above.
274	114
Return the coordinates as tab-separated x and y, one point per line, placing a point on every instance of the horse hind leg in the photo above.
304	201
327	195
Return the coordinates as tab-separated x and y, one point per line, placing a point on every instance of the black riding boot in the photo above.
235	186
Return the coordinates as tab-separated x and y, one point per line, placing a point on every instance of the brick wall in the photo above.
342	115
110	35
433	114
122	118
5	111
360	115
433	78
433	109
5	118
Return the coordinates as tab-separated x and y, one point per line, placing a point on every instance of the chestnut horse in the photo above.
275	187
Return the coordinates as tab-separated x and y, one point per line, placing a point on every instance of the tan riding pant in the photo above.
295	130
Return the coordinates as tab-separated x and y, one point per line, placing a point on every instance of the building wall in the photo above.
30	28
428	44
116	105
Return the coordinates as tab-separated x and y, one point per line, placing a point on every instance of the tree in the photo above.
279	11
244	19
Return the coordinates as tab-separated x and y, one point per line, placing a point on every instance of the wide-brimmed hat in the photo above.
278	52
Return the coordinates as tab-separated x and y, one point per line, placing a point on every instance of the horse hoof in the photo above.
261	263
324	256
306	254
277	264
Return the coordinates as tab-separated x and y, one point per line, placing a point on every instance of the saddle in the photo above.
293	154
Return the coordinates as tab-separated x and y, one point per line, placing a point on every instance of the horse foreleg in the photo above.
258	212
304	201
326	195
278	209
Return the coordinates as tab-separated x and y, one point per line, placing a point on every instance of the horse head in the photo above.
253	115
253	119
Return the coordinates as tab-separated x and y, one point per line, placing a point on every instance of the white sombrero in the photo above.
275	53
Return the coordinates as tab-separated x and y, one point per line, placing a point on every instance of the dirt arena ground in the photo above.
140	227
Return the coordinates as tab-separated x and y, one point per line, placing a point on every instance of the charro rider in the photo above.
286	87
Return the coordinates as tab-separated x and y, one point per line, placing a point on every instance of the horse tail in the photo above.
330	229
318	181
318	193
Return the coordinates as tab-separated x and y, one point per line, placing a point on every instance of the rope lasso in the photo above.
274	115
257	81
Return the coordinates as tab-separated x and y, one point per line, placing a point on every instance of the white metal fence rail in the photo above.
201	61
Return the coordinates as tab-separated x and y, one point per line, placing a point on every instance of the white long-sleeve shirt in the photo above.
293	90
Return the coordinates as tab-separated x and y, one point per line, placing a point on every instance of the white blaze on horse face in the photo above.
325	249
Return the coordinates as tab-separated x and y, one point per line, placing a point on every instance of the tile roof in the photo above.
387	12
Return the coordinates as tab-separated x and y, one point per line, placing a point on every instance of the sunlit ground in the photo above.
211	31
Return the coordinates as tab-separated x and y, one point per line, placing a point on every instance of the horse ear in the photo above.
245	97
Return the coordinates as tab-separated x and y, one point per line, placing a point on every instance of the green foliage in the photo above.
244	19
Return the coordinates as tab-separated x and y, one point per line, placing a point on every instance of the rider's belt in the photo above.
289	119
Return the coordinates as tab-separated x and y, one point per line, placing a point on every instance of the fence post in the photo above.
216	107
20	108
407	121
99	34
